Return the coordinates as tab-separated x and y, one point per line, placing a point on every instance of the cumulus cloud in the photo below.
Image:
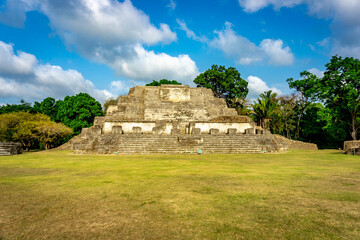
278	54
345	27
257	86
147	63
189	33
317	72
246	52
113	32
21	76
10	63
255	5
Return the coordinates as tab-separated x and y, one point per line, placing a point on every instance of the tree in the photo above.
319	126
20	126
49	132
340	91
225	82
23	106
163	81
265	108
47	107
78	111
286	114
241	105
30	128
306	89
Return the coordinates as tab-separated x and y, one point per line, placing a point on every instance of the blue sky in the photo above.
103	47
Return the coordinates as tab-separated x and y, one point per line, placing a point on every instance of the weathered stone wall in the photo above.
175	144
352	147
168	102
10	148
222	127
293	144
176	119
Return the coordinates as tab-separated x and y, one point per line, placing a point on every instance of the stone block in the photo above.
84	131
214	131
95	130
136	130
231	131
175	131
259	131
250	131
196	131
116	130
352	147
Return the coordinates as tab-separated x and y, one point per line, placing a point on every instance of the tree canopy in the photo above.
163	81
225	82
31	129
78	111
340	90
23	106
47	107
265	108
306	93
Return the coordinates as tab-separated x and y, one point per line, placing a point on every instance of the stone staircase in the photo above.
10	148
175	144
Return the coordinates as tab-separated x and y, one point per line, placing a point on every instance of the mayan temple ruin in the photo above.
176	119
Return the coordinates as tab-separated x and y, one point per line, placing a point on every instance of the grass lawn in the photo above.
295	195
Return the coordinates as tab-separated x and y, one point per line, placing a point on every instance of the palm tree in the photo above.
242	105
264	108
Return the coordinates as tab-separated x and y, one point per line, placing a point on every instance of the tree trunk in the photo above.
298	127
353	127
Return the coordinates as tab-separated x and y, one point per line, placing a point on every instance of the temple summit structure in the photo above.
176	119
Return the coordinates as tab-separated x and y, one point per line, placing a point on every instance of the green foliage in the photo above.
340	91
241	105
264	109
30	129
163	81
319	126
50	132
306	92
225	82
284	120
23	106
47	107
78	111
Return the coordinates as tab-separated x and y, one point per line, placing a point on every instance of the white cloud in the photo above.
122	87
255	5
147	65
25	78
103	23
246	52
345	27
171	5
278	55
22	63
236	46
112	32
317	72
189	33
257	86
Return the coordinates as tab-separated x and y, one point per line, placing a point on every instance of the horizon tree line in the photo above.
323	110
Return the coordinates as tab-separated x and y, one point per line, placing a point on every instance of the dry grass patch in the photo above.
297	195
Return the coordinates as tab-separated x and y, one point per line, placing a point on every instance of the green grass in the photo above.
296	195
